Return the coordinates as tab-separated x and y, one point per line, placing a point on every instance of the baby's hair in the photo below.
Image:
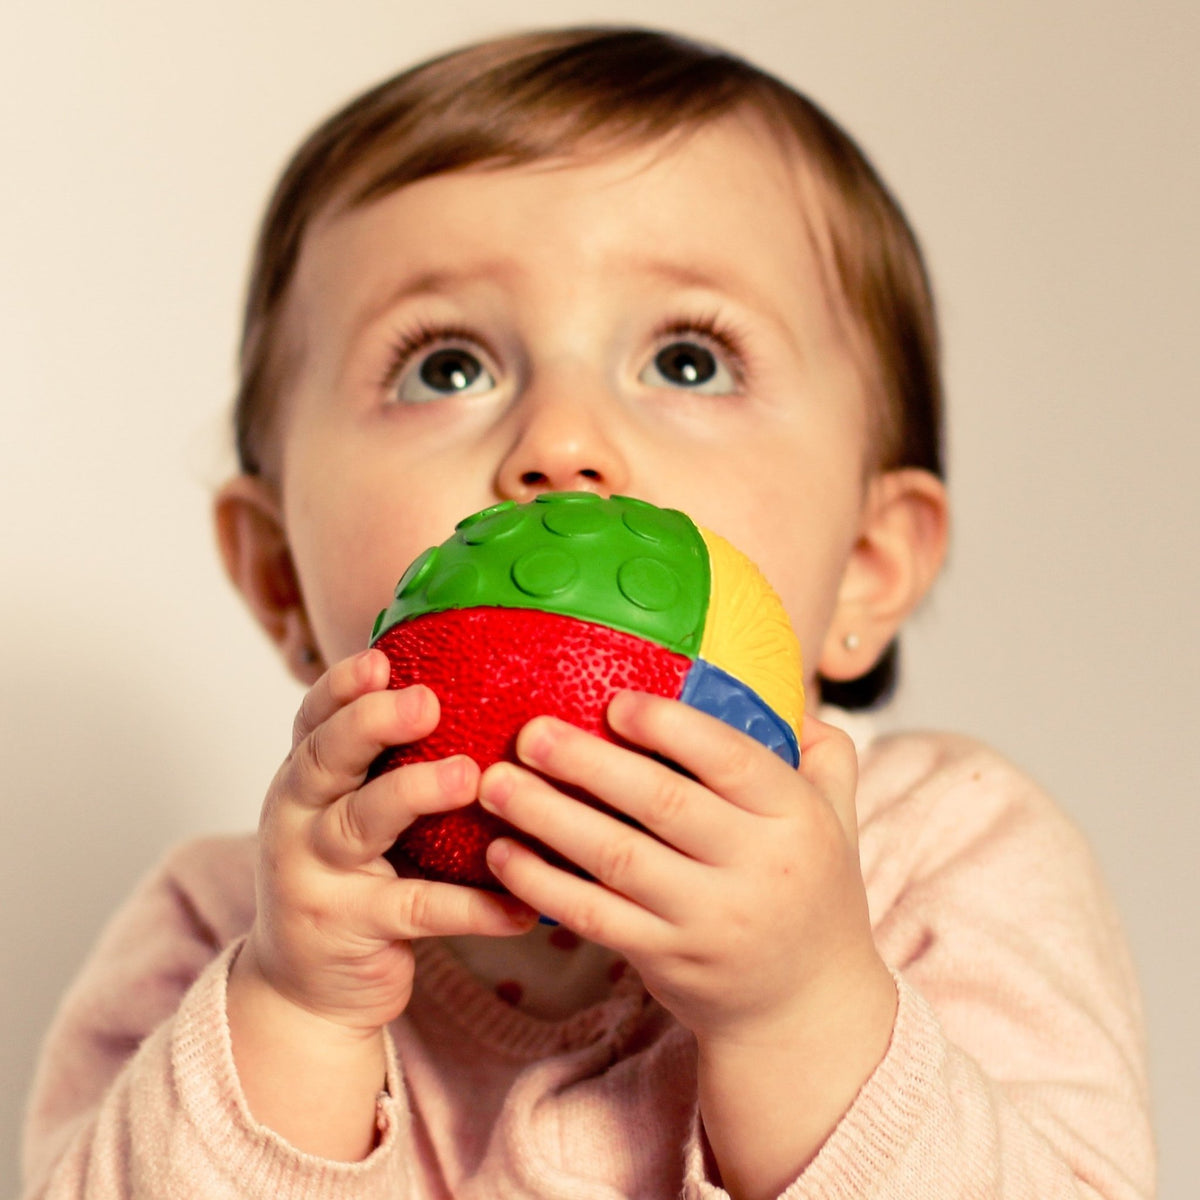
546	96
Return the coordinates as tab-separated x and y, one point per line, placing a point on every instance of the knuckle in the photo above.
739	758
583	920
314	753
326	696
349	828
665	808
416	907
618	860
302	724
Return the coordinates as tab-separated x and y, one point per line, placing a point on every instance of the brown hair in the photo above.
535	97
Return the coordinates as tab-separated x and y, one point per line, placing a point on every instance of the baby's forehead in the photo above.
739	160
381	172
705	209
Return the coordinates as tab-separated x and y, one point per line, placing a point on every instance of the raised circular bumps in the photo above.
553	607
636	567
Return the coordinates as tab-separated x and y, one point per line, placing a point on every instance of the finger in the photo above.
361	825
593	912
830	763
343	682
673	807
333	759
728	762
621	856
402	909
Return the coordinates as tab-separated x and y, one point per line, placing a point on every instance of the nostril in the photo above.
541	479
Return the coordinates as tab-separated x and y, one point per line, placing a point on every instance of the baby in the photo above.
616	261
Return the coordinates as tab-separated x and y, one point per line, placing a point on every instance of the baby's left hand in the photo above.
739	900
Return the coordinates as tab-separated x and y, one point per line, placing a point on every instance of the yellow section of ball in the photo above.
748	634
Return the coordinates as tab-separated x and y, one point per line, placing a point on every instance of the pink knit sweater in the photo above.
1016	1066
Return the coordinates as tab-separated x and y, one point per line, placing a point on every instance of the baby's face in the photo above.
652	326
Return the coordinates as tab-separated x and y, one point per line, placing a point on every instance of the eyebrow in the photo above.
677	273
726	282
720	278
444	279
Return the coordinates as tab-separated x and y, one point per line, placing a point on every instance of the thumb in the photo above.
829	762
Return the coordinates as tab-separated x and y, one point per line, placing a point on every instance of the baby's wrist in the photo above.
255	998
852	1009
312	1080
773	1089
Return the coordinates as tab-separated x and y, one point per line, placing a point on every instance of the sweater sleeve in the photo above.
1016	1066
137	1093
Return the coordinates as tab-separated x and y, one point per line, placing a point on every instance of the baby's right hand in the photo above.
334	924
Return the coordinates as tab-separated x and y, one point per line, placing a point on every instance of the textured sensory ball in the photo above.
554	606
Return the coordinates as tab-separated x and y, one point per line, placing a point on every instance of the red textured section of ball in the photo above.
494	669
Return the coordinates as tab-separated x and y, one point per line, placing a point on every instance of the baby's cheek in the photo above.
342	568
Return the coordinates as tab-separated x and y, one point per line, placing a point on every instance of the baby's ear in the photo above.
899	551
258	559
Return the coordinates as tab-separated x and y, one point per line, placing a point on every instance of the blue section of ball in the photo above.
719	694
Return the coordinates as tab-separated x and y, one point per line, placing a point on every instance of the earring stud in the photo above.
308	656
851	641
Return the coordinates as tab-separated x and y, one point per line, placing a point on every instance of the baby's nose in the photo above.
563	446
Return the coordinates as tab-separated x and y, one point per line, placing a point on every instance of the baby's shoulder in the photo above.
201	857
197	900
945	794
931	766
201	888
213	877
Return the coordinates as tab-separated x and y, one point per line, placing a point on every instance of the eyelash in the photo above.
727	338
407	344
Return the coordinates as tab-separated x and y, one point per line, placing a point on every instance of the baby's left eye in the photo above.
690	365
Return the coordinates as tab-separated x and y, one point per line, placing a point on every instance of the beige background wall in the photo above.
1046	150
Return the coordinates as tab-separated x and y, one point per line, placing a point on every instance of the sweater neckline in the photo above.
446	992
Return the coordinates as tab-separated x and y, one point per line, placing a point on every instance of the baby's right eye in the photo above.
449	372
416	377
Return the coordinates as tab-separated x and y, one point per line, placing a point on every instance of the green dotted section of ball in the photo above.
618	561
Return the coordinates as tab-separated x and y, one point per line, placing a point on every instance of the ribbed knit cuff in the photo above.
260	1161
879	1126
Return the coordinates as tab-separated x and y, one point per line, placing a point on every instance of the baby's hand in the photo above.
334	924
328	961
739	900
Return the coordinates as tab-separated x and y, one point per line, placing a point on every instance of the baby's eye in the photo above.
450	371
690	365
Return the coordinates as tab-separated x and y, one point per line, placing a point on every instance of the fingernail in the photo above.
517	911
536	739
378	665
412	702
499	852
495	788
452	773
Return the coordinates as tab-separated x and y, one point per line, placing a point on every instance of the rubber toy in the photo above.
553	607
